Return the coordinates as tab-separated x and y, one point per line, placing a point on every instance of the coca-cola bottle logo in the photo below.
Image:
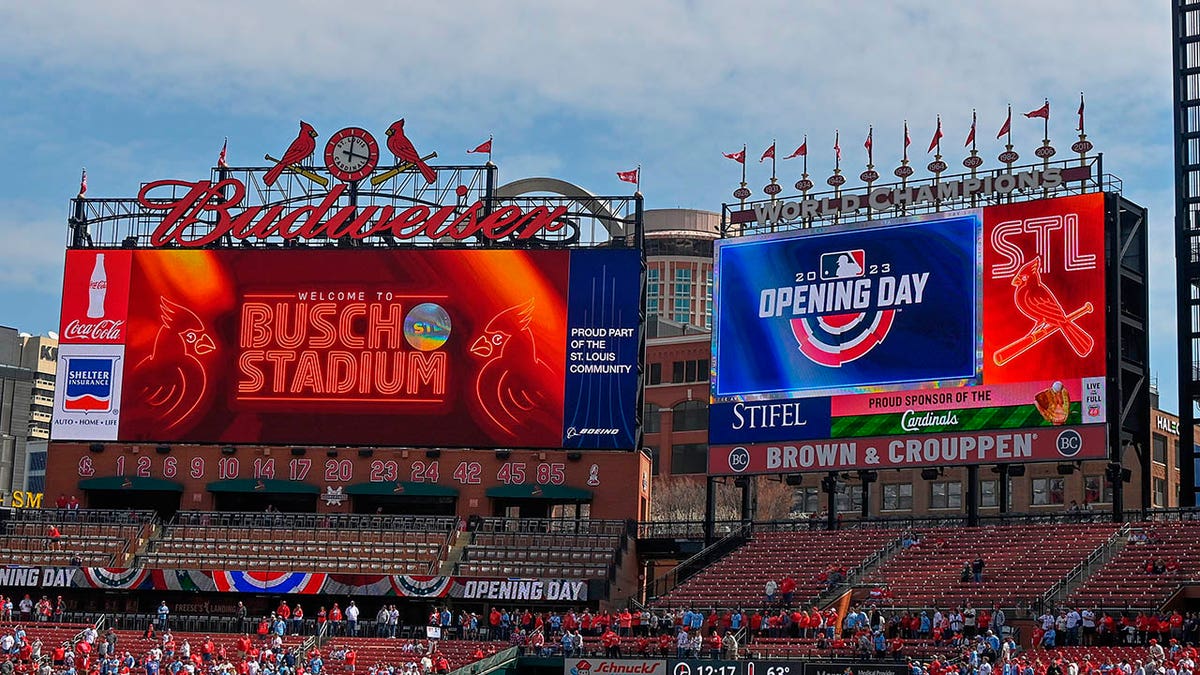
106	330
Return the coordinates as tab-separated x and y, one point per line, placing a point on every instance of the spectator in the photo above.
787	588
977	569
771	589
352	619
163	614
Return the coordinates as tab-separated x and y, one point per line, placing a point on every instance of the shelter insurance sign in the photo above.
454	348
972	336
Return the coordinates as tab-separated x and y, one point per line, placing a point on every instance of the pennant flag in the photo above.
837	148
485	146
1042	112
801	151
628	176
224	153
1007	125
937	136
769	153
869	142
739	156
1080	127
907	138
971	134
83	183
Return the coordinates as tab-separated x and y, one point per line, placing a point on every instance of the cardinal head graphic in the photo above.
174	377
511	386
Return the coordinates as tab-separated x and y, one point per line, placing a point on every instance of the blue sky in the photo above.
577	90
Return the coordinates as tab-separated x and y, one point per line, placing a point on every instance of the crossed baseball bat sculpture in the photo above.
1040	332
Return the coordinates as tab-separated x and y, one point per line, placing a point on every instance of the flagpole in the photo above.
904	170
638	186
773	188
489	148
837	179
1009	157
974	161
1083	145
804	184
870	175
937	166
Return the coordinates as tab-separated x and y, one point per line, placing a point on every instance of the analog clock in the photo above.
351	154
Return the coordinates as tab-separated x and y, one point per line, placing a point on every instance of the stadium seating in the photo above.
504	547
1021	563
739	579
1124	581
90	537
258	541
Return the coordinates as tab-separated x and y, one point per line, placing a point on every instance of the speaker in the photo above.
433	454
96	447
868	475
573	456
1066	469
793	479
1016	470
366	452
503	454
930	474
331	453
296	452
163	449
228	450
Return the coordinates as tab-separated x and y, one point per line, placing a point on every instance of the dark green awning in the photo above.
264	485
402	488
558	493
137	483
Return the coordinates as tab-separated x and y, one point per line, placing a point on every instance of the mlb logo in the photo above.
89	384
843	264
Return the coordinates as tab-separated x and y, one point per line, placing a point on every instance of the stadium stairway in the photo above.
455	553
1077	577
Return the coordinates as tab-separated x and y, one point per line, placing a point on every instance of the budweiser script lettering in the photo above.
205	214
105	330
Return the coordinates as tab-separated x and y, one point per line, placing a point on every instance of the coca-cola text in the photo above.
205	214
107	330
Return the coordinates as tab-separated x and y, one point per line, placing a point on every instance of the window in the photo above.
989	493
651	418
35	484
1047	491
37	461
689	416
654	457
1096	490
897	497
808	499
850	499
1160	492
683	281
1159	444
654	374
682	312
652	308
690	371
689	458
945	495
682	291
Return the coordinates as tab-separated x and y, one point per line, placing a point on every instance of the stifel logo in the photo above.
174	378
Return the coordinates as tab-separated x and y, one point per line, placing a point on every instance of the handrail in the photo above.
311	521
722	546
1084	566
488	663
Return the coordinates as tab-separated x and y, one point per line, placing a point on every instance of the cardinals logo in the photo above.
174	377
404	150
1034	299
510	387
301	149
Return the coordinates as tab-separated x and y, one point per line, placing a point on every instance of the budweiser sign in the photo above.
104	330
208	212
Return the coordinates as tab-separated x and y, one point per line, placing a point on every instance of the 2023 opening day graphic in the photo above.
860	346
454	348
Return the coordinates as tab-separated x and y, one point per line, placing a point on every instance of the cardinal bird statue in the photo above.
1037	302
173	376
297	152
510	384
403	148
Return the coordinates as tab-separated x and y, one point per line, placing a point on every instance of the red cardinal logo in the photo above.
1036	301
297	152
403	148
510	384
173	376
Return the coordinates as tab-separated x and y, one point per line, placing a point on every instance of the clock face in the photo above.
351	154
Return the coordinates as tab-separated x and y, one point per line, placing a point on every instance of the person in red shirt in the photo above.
322	617
335	617
611	643
755	622
800	624
665	643
625	621
61	502
55	537
643	646
714	645
351	660
477	654
787	587
284	611
896	647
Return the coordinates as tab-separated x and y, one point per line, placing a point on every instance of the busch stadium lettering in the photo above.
204	215
298	349
886	199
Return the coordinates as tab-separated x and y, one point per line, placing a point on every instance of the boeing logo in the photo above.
572	432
